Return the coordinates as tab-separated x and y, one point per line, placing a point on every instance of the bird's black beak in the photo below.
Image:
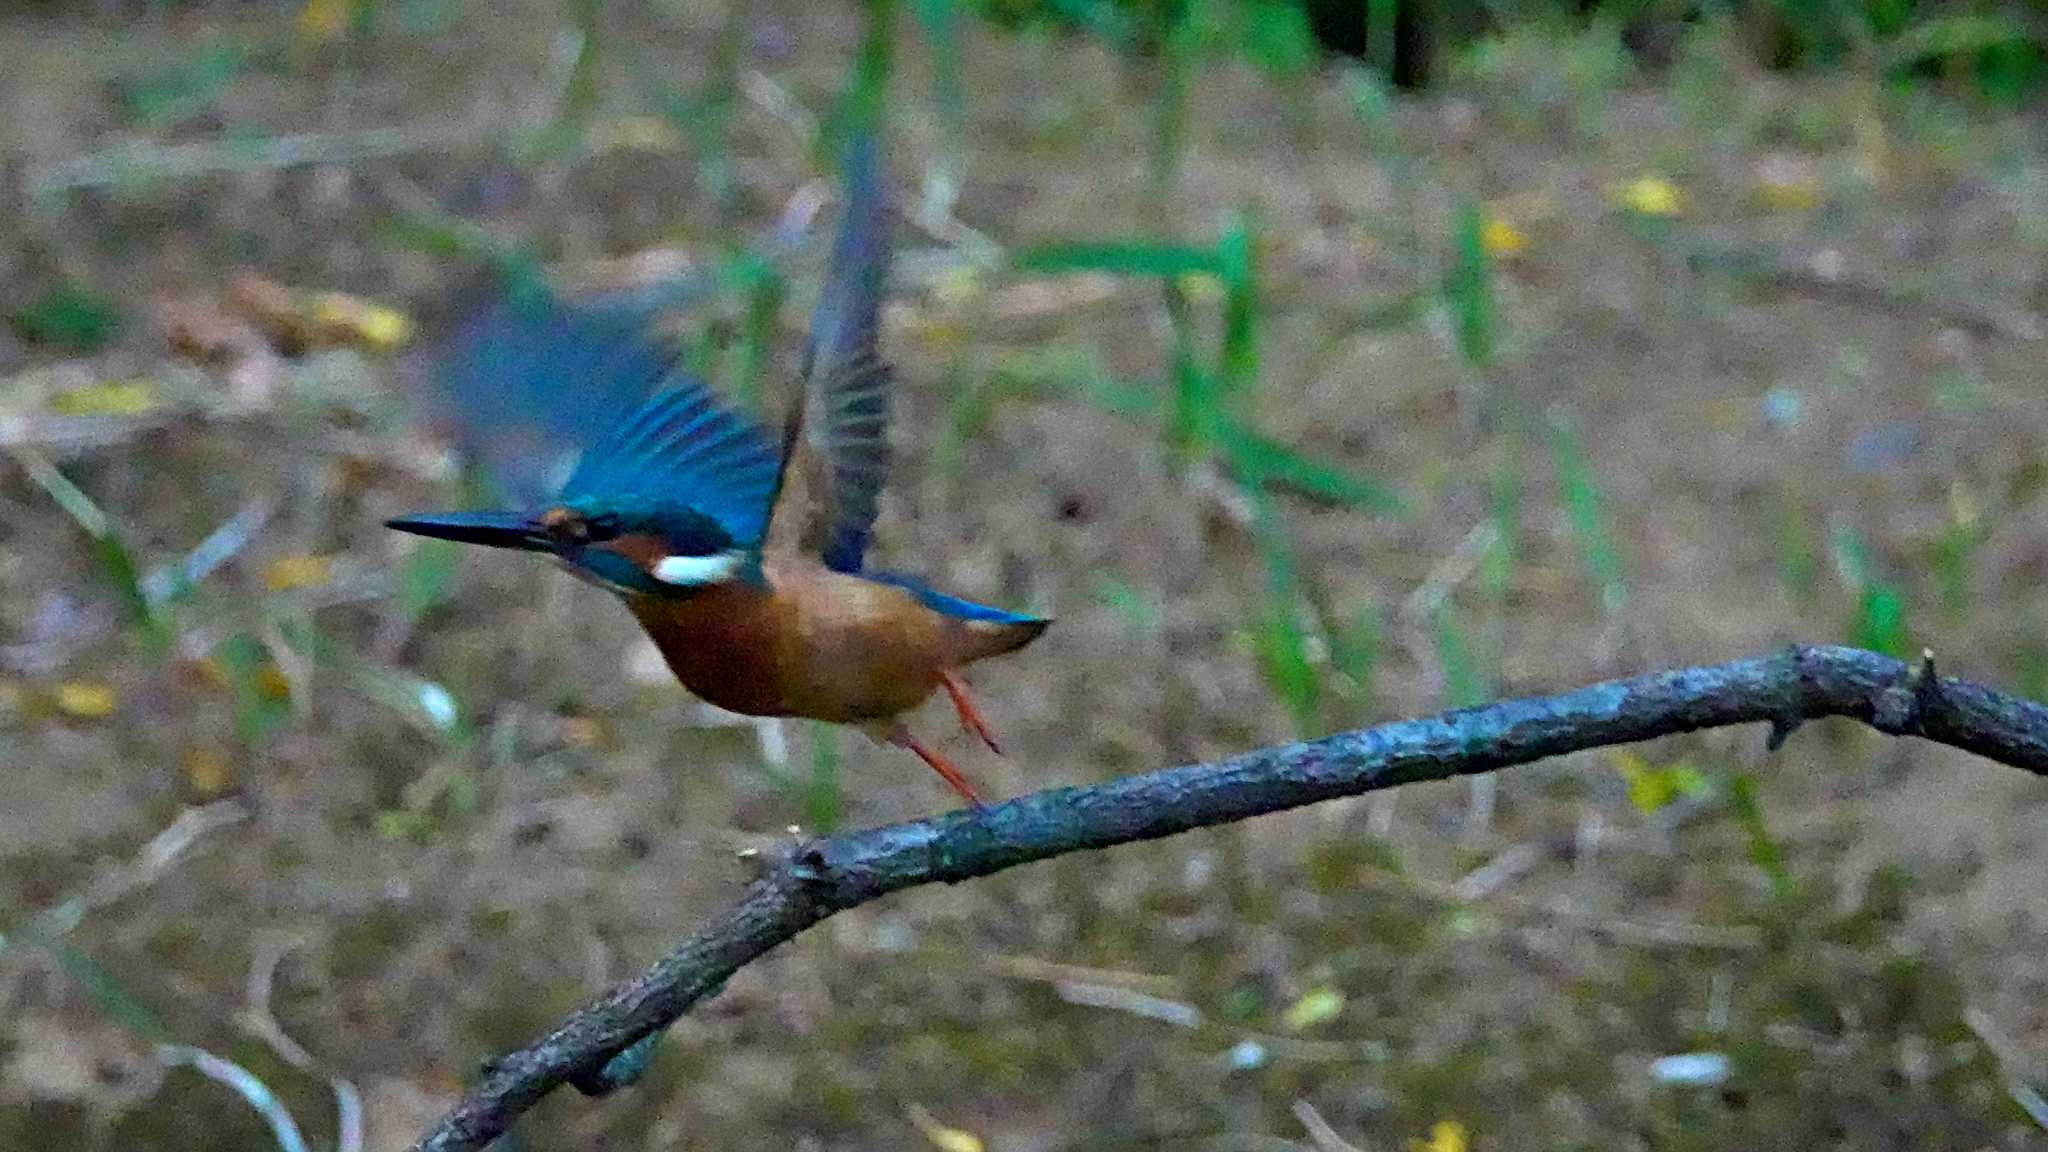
494	529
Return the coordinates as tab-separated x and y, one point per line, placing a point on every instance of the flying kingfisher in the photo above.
746	563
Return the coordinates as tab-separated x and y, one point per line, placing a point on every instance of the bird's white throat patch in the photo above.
696	571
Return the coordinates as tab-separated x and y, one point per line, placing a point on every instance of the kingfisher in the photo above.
744	555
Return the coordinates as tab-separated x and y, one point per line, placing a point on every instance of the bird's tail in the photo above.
974	640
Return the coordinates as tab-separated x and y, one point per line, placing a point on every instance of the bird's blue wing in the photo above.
839	436
686	448
525	380
952	606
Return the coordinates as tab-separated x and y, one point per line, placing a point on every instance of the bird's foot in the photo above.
901	738
971	718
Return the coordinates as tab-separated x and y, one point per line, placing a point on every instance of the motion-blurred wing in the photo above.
683	447
837	441
526	380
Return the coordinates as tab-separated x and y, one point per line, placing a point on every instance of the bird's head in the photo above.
630	547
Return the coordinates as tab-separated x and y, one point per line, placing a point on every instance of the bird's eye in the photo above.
566	525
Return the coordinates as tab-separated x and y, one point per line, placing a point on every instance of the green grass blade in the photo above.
1274	37
106	991
823	800
258	713
70	316
974	400
705	117
579	101
1953	554
517	265
1497	567
759	334
1464	683
862	106
1136	258
1764	849
425	577
1469	291
1261	460
940	23
1798	569
1879	623
1281	643
1137	609
118	565
1355	647
1238	357
1176	38
1597	549
1195	415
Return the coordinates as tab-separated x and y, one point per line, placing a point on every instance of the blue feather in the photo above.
684	448
526	380
952	606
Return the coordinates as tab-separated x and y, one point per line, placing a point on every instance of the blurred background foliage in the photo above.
1313	363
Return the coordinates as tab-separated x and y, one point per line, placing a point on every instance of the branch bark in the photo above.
814	880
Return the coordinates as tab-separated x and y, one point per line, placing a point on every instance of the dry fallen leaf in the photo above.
1444	1136
1649	196
289	572
322	20
297	321
1318	1006
86	699
108	398
208	772
351	320
943	1138
1501	238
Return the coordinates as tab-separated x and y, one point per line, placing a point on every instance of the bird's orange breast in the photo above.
808	642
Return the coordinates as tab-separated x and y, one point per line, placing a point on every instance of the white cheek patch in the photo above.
696	571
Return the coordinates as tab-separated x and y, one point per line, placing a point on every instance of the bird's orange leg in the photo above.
970	716
901	738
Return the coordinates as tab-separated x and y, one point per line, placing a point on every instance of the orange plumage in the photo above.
817	643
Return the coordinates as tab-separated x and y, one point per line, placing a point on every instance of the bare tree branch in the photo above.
822	877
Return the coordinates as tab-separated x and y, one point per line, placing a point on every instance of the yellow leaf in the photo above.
1787	195
1651	787
207	771
372	325
86	699
288	572
1201	288
1444	1136
1649	196
110	398
272	683
1500	238
323	20
943	1138
1317	1007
